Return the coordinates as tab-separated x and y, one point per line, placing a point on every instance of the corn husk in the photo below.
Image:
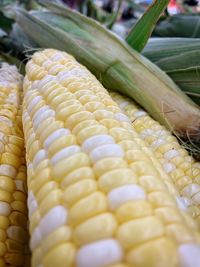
180	59
159	48
114	63
179	25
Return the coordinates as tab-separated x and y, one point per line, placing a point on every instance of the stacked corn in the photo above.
183	170
13	209
95	197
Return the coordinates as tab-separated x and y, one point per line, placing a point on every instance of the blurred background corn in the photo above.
13	209
181	167
95	197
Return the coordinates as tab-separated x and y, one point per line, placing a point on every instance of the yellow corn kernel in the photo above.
19	206
78	190
64	167
61	255
143	168
61	142
7	184
42	177
179	233
60	235
87	207
15	259
78	117
4	222
17	233
18	218
152	183
134	210
19	196
142	229
147	254
3	235
82	125
3	249
45	189
107	164
159	199
76	175
5	196
91	131
10	159
168	215
116	178
14	246
51	200
98	227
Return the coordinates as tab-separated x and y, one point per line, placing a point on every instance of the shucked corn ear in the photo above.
13	209
114	63
95	197
183	170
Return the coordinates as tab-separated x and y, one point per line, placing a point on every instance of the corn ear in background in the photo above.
182	168
13	209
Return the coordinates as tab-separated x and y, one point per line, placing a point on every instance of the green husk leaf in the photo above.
180	59
20	39
186	60
159	48
114	63
142	30
181	25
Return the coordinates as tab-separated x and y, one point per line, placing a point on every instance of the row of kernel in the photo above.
87	171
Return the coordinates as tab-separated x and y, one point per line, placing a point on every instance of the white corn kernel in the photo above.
55	218
99	254
5	208
189	255
96	141
171	154
169	167
64	153
123	194
56	134
39	156
111	150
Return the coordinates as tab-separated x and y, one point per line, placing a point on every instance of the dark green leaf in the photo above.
114	16
5	23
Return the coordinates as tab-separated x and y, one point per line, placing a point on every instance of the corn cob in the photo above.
183	170
95	197
13	209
